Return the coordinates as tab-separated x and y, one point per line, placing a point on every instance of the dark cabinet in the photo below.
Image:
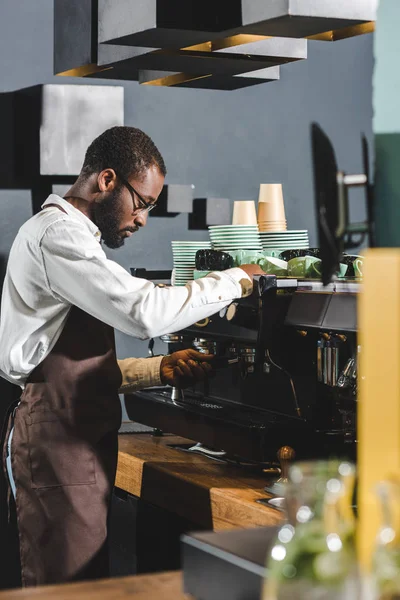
144	538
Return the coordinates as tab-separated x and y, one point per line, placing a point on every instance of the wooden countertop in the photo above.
160	586
210	494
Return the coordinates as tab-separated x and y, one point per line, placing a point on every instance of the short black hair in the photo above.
127	150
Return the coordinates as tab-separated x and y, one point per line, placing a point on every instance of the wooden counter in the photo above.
160	586
210	494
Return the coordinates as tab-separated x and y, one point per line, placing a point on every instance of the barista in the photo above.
62	299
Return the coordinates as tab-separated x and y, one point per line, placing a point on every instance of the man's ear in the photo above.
107	180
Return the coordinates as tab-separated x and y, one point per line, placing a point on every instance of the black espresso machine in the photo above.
289	351
286	375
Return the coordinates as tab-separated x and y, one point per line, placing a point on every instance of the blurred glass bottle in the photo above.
386	558
313	557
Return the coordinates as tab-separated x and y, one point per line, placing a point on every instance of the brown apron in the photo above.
64	455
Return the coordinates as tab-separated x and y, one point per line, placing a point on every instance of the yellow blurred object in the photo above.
378	411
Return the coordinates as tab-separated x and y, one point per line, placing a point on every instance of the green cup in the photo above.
245	257
275	253
273	266
357	265
342	270
354	264
305	267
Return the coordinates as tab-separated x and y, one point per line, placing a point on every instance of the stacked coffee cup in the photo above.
271	210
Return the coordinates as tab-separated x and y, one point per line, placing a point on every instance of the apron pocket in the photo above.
57	456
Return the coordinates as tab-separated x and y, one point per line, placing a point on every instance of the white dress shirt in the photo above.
56	261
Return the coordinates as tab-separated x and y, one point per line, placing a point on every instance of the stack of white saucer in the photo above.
184	255
284	240
234	237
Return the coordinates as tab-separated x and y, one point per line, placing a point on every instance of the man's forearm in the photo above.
139	373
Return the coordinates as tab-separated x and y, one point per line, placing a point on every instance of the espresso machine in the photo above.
285	375
285	381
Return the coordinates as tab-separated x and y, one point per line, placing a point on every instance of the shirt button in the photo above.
219	297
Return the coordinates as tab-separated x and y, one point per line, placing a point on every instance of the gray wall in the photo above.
225	143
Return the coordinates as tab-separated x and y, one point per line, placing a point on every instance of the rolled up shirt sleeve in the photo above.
139	373
81	274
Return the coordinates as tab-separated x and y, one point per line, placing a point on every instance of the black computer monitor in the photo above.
326	202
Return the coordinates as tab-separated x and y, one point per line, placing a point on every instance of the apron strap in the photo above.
55	206
5	432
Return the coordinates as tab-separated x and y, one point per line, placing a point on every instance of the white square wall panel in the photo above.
72	117
180	198
218	211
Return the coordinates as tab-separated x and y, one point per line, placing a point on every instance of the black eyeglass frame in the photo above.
146	205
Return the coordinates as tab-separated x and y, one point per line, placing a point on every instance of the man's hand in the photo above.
248	287
185	367
252	270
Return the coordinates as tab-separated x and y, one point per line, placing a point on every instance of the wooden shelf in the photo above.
211	494
160	586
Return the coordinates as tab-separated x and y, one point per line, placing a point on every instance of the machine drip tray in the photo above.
189	399
244	433
219	408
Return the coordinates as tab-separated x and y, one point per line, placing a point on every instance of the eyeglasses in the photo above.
144	206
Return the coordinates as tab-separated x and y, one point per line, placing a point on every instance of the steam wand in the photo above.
296	403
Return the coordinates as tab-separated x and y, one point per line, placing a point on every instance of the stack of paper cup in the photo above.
244	212
271	209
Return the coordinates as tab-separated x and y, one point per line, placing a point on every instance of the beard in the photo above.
107	215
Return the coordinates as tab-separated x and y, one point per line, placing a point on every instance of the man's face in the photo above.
121	212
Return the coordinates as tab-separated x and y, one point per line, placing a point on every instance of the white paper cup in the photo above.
244	212
270	192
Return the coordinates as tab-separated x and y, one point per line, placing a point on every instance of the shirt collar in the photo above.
71	210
